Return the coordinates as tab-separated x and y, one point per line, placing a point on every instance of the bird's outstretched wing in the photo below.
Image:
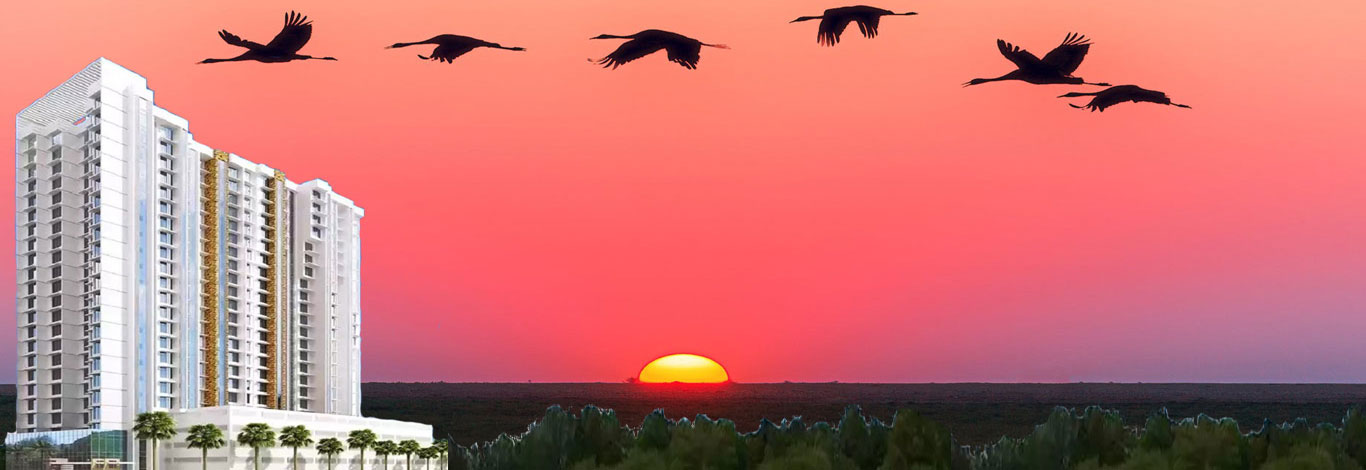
831	27
237	40
686	55
867	24
1022	58
1068	55
629	51
294	35
449	52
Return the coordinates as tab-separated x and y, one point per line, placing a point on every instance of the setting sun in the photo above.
683	368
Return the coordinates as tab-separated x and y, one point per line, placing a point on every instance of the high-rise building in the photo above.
156	273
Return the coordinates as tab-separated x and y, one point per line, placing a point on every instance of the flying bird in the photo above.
284	48
1120	94
1055	68
682	50
450	46
834	20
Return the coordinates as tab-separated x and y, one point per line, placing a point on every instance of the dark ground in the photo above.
975	413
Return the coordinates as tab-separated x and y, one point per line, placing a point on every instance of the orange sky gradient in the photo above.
797	212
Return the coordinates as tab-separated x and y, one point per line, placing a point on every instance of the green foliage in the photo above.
384	449
599	437
154	426
205	436
1157	432
256	436
1354	435
295	437
1209	444
654	432
1102	437
916	443
361	439
330	447
1095	439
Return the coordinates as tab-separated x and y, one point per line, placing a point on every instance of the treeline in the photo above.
1093	439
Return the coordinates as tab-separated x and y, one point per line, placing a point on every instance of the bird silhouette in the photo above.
834	20
682	50
1055	68
451	46
284	48
1120	94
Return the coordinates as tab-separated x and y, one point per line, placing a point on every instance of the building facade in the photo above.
156	273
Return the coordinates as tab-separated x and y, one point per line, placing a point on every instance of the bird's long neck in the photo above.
613	36
979	81
808	18
909	13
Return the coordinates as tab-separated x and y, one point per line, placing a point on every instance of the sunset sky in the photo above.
796	212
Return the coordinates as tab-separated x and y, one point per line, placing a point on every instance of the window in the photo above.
165	222
166	238
56	183
165	132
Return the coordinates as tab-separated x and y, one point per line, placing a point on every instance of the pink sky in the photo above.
797	212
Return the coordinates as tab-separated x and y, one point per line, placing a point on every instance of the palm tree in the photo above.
1120	94
284	48
451	46
407	448
205	437
442	447
295	437
426	454
154	426
256	436
384	449
361	439
1054	68
834	20
330	447
682	50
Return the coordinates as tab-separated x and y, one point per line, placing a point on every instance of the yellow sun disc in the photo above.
683	368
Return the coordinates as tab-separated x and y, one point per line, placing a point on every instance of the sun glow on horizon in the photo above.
683	368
